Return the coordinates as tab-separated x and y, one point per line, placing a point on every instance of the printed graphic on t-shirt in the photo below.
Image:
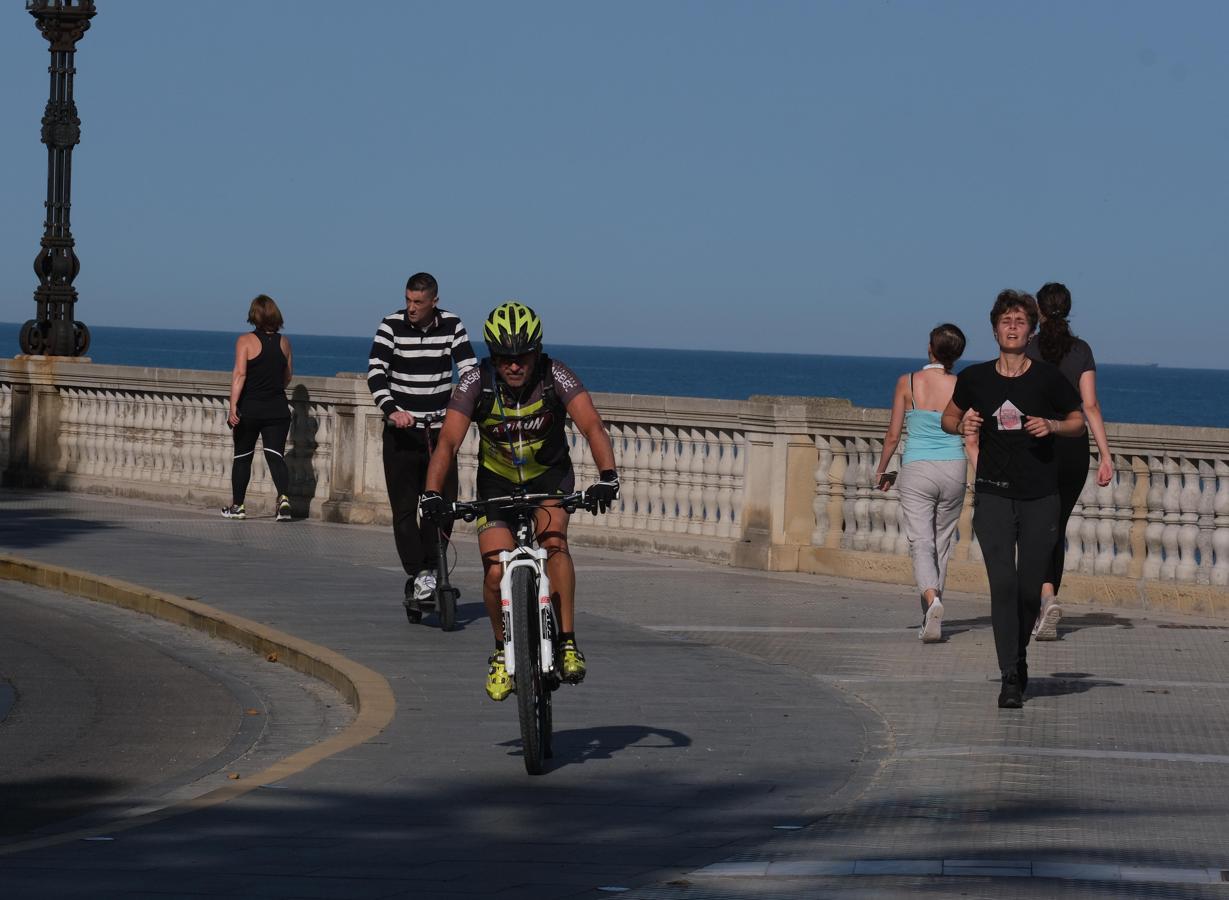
1009	416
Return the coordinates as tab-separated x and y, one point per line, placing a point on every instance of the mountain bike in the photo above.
531	636
444	597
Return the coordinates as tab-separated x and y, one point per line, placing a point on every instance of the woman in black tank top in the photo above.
258	406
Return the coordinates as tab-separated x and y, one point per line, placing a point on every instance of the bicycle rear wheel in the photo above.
532	698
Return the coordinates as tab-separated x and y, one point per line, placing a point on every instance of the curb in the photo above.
367	690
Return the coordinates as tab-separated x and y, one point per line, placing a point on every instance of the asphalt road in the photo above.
105	712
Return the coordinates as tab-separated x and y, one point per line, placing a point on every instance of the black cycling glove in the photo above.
605	491
433	507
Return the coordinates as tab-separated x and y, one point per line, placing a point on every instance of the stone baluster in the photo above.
1220	538
849	494
618	443
1123	487
1206	521
670	485
724	500
6	423
1188	530
1173	519
1154	531
877	511
738	482
709	481
64	440
695	473
1104	564
1078	537
654	476
638	491
163	437
823	491
220	444
682	491
862	494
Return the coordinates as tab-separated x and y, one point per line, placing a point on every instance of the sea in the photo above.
1149	394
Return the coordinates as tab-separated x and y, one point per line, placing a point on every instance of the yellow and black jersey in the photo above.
521	433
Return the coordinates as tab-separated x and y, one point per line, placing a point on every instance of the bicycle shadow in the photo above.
578	746
467	614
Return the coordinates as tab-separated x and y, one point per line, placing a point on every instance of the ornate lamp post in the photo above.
54	331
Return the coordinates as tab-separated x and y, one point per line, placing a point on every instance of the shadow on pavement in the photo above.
581	745
27	528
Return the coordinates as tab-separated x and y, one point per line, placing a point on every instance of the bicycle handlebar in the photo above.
472	509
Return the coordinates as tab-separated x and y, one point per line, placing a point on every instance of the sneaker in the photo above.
932	628
424	585
571	662
1046	628
234	511
283	508
1010	694
498	682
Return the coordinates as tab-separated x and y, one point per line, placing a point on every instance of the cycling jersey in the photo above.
521	433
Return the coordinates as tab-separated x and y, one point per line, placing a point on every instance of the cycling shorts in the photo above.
559	480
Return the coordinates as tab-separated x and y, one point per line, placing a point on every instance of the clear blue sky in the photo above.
826	177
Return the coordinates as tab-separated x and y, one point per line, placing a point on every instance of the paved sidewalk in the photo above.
741	734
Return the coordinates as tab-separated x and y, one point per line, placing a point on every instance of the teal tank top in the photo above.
925	439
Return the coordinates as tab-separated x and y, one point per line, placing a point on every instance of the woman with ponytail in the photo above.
1055	344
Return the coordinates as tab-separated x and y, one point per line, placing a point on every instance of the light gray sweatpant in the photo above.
931	494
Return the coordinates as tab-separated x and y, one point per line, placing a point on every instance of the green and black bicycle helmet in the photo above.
511	329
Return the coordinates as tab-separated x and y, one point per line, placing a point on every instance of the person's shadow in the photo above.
1059	684
580	745
301	453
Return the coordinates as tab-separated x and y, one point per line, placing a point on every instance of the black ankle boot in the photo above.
1010	695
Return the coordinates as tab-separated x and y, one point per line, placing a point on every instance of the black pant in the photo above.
272	434
406	455
1072	456
1017	539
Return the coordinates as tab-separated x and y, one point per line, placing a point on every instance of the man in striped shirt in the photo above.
410	378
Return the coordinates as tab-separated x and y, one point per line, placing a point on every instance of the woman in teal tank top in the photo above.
931	485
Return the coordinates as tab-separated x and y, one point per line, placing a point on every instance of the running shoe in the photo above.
424	585
1010	694
1047	623
234	511
283	508
571	662
498	682
932	627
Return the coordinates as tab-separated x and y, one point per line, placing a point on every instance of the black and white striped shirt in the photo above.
411	368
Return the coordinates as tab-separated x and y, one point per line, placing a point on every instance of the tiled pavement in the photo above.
742	734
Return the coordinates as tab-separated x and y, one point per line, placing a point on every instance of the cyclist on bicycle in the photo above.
521	399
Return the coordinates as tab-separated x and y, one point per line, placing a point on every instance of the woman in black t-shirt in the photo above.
258	408
1016	406
1055	344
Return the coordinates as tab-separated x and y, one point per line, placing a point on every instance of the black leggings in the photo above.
1072	456
1017	540
272	434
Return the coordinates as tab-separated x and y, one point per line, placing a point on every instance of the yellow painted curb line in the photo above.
366	690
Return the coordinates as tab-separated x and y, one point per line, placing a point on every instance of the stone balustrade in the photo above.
776	483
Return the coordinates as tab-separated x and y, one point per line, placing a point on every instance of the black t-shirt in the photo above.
1075	363
1010	461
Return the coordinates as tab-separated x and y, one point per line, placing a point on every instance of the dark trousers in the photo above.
272	434
406	455
1072	456
1017	540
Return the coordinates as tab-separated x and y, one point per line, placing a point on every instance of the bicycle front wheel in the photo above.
532	698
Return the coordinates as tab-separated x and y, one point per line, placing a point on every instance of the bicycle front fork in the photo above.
535	560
